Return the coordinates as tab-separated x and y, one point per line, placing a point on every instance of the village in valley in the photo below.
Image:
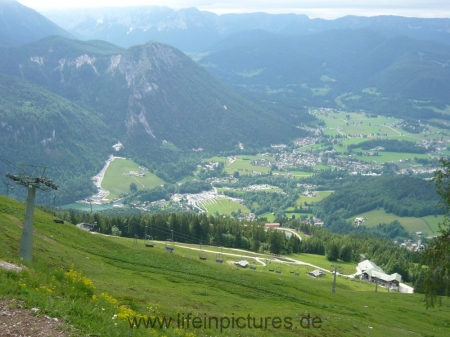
333	145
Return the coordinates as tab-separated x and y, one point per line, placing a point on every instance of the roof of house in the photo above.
272	224
242	263
368	265
316	273
373	270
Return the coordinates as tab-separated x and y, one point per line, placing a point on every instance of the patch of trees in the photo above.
390	145
434	274
400	195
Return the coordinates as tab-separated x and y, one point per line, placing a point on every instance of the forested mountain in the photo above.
357	69
153	98
150	93
20	24
40	128
192	30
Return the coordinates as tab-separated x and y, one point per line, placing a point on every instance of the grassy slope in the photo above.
152	281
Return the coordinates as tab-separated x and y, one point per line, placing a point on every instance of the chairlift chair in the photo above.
170	246
278	270
252	266
148	242
219	257
296	272
202	254
270	266
54	218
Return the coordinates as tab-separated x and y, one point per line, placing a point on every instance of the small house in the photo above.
316	273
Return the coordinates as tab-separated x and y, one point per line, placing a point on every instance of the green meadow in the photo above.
411	224
269	216
223	206
243	164
433	222
319	196
116	180
96	284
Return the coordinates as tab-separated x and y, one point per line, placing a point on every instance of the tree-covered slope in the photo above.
41	128
400	195
20	24
152	92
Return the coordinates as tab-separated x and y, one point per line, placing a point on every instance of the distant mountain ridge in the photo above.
20	24
357	69
192	30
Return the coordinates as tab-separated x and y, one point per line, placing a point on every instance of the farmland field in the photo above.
433	222
223	206
269	216
411	224
116	180
244	166
319	196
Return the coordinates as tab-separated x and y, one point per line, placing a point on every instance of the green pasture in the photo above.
320	195
411	224
333	120
333	132
245	167
223	206
116	182
321	167
347	268
85	280
433	222
269	216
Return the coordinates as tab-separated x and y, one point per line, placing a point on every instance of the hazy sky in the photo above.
328	9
